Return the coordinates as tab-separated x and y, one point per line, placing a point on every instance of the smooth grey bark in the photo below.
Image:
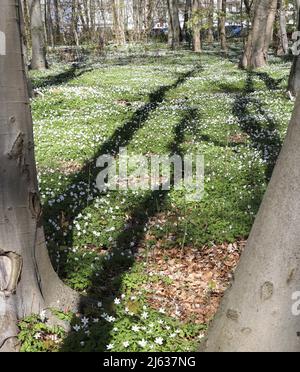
74	22
294	78
284	41
59	33
38	61
49	24
256	50
118	21
174	24
210	31
137	19
187	16
197	45
256	314
222	5
28	283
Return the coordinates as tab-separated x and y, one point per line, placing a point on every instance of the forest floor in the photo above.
157	264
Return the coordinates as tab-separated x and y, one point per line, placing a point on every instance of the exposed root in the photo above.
10	345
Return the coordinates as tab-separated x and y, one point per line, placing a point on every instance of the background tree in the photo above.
256	50
195	24
118	21
222	6
38	61
210	26
28	283
280	34
294	78
174	24
187	16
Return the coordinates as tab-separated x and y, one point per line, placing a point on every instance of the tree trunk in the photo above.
28	283
222	25
74	21
49	24
118	20
174	24
210	32
38	61
259	312
256	51
294	79
138	19
149	17
283	46
196	7
187	16
57	38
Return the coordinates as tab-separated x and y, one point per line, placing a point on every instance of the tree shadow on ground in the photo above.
258	124
108	285
271	83
105	287
74	71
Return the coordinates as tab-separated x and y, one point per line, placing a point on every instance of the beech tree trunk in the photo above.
137	19
294	79
28	283
118	20
256	50
174	24
210	31
222	25
197	45
187	17
38	61
259	312
74	21
49	24
59	34
283	45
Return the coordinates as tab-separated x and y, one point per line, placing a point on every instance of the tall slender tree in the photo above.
222	5
174	24
210	30
187	17
196	25
38	61
28	283
294	78
118	21
282	36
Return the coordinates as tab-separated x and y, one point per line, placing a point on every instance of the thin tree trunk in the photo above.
284	41
187	16
74	21
149	17
174	24
259	313
256	51
210	32
196	7
137	19
38	61
294	78
58	35
28	283
49	24
118	19
222	25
